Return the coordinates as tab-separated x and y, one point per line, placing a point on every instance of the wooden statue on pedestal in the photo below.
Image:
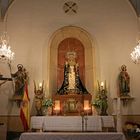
20	81
124	82
39	96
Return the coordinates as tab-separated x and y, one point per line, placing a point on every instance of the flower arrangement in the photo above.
100	100
47	103
96	102
132	130
101	95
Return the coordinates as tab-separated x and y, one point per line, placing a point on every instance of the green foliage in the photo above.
96	102
47	103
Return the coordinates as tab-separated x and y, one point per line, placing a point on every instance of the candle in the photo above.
57	106
86	109
86	106
57	110
102	85
40	85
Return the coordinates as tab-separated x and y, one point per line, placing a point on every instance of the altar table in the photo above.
72	136
62	123
71	123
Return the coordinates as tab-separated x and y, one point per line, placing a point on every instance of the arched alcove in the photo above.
89	62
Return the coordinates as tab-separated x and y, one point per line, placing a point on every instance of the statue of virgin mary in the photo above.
71	82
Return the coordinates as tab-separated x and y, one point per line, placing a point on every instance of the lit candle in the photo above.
40	85
57	106
102	85
86	109
57	110
86	106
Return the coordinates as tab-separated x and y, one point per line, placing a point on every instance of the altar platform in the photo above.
72	136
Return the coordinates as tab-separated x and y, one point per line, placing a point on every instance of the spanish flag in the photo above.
25	110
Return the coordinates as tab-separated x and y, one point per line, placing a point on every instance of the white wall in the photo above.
111	23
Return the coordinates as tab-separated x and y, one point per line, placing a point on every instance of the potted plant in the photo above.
132	130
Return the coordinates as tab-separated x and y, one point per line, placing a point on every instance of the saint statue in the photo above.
72	82
103	102
39	96
20	78
124	81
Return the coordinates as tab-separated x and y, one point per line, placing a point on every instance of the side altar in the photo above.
72	104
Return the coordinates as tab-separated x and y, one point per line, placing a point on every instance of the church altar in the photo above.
72	123
72	136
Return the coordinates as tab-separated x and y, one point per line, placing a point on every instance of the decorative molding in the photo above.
70	8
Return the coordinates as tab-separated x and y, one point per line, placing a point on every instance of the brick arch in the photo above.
70	44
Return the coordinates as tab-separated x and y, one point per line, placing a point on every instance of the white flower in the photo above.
137	129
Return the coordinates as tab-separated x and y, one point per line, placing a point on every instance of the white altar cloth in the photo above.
62	123
72	136
108	121
71	123
37	122
92	123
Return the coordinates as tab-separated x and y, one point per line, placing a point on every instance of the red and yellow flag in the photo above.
25	110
